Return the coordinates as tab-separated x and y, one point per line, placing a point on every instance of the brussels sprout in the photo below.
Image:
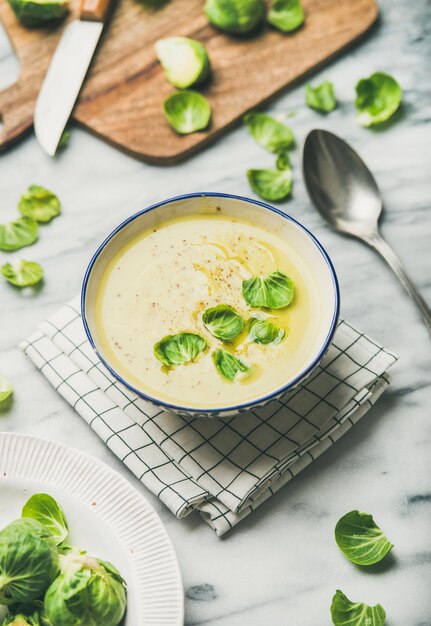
321	98
22	273
34	12
28	561
187	111
184	60
43	508
21	619
235	16
40	204
86	592
286	15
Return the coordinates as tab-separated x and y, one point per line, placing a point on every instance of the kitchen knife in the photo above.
66	73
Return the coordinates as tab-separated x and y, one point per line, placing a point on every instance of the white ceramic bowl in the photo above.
260	214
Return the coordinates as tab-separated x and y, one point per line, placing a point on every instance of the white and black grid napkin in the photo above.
223	467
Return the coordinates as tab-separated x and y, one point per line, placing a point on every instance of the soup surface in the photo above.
162	282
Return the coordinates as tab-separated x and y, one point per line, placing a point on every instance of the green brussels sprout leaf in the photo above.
268	132
21	617
64	139
187	111
347	613
377	98
29	561
35	12
264	332
223	322
87	591
235	16
6	388
274	291
272	185
39	204
19	233
45	510
179	349
360	539
321	98
228	365
22	273
184	61
283	161
286	15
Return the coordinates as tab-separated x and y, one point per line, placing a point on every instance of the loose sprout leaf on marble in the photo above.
22	273
184	60
265	332
179	349
286	15
321	98
39	204
18	233
45	510
269	132
36	12
344	612
377	98
235	16
274	291
272	185
6	388
228	365
223	322
187	111
360	539
283	161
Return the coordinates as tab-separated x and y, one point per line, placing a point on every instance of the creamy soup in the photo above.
162	282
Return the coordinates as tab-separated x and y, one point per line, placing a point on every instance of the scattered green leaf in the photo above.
21	232
235	16
360	539
344	612
40	204
227	364
286	15
179	349
22	273
223	322
64	139
322	97
269	132
377	98
36	12
274	291
187	111
272	185
185	61
6	388
45	510
283	161
265	332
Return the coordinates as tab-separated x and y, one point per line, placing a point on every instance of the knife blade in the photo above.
66	73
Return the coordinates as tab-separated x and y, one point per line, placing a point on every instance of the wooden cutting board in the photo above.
122	98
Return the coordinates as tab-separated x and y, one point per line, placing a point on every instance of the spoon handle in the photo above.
377	242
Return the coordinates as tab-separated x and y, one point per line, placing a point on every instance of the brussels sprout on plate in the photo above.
35	12
87	591
235	16
377	98
29	561
22	619
187	111
185	61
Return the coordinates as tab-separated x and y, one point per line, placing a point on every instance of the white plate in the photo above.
106	515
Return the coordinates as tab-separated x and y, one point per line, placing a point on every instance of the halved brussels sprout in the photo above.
187	111
28	561
235	16
184	60
86	592
34	12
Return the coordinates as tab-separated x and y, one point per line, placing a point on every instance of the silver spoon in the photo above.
345	193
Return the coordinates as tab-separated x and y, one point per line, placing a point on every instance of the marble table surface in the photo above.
280	566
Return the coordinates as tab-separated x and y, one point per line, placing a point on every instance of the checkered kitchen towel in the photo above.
223	467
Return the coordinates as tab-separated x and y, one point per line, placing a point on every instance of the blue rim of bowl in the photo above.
244	405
